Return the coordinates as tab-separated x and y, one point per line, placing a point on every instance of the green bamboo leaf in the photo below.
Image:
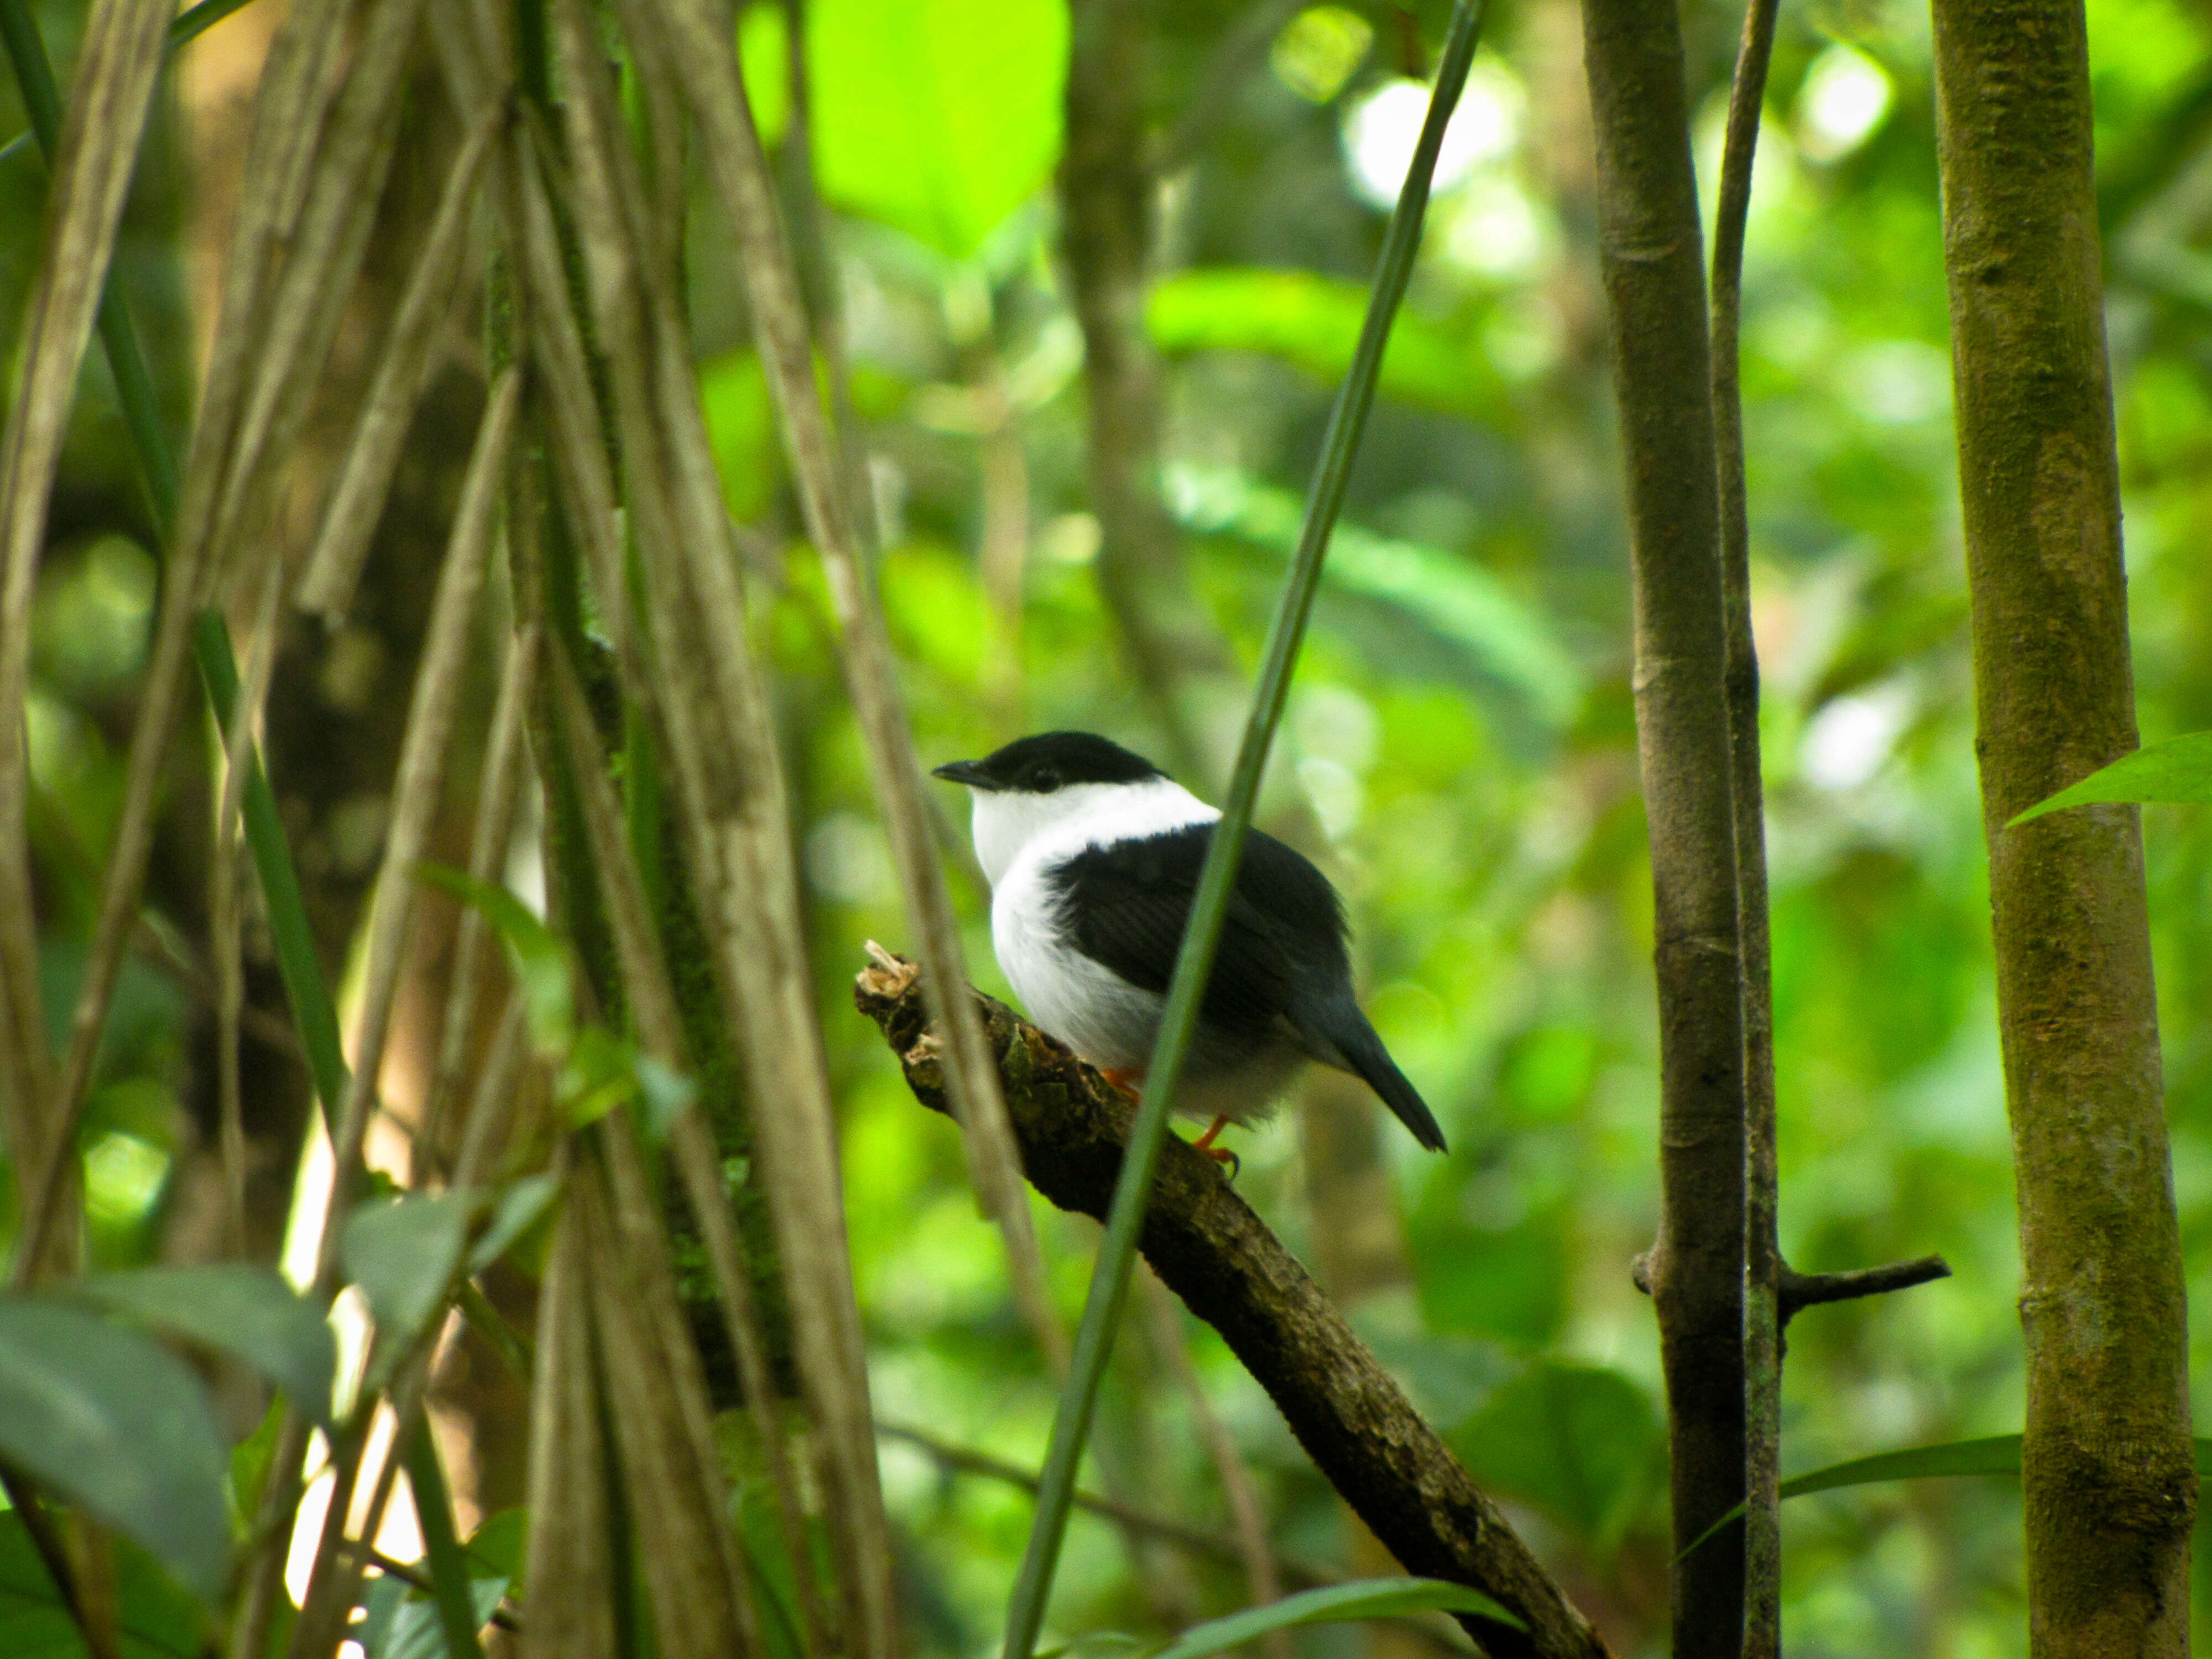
1996	1454
403	1253
157	1620
114	1421
544	967
938	117
518	1210
2177	770
1312	322
1365	1598
247	1312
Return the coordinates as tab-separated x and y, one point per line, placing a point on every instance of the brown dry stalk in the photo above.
414	789
2107	1467
223	868
652	1005
704	51
1209	1248
722	747
504	764
402	372
113	89
571	1568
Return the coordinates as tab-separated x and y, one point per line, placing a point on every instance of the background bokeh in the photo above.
1460	751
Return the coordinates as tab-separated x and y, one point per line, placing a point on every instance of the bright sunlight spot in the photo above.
1848	741
1844	98
1381	130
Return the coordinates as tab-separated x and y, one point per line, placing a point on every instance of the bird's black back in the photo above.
1126	905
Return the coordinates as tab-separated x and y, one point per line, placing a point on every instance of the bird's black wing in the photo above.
1126	905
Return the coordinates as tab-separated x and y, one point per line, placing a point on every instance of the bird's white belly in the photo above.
1093	1010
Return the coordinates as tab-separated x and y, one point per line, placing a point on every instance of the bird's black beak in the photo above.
970	773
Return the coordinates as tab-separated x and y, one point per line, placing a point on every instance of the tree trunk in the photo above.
1651	257
2108	1467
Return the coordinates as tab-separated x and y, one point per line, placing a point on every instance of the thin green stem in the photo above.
449	1566
297	958
1109	1280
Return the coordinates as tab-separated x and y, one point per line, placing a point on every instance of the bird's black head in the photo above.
1050	761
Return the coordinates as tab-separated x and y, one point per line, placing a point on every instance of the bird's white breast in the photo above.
1020	839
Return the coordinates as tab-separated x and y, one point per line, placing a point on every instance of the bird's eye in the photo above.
1044	781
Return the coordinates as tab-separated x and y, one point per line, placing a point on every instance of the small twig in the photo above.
415	1579
1808	1289
1218	1546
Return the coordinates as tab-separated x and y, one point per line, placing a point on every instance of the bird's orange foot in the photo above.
1218	1154
1128	1081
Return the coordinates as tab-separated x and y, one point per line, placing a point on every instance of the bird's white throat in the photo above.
1015	826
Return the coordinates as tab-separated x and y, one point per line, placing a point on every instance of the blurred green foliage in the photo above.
1460	735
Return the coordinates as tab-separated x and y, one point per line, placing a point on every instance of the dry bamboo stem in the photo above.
416	788
114	88
704	53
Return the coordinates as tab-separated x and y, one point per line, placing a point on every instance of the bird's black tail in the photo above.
1364	1056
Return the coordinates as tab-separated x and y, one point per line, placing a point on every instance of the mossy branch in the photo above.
1207	1245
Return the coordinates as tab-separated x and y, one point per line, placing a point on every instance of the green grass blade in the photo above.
1366	1598
1997	1454
449	1565
297	963
1109	1279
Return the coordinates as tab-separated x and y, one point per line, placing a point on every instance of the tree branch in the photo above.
1210	1248
1800	1291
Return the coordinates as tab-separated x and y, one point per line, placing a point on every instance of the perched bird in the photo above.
1093	856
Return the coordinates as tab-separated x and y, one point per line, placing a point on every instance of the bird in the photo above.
1093	856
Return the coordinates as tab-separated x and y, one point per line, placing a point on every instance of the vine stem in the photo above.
1109	1279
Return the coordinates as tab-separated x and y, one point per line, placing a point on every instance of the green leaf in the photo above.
937	116
1996	1454
519	1209
2177	770
114	1421
740	416
403	1253
1365	1598
666	1093
1581	1442
763	46
246	1311
544	967
157	1619
497	1547
1454	596
1313	322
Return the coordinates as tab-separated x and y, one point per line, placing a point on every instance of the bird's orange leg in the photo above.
1205	1143
1128	1079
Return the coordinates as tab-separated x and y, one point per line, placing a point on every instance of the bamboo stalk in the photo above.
2108	1478
705	52
1763	1315
1652	262
92	169
414	789
402	373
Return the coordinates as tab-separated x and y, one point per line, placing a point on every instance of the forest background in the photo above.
1460	751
